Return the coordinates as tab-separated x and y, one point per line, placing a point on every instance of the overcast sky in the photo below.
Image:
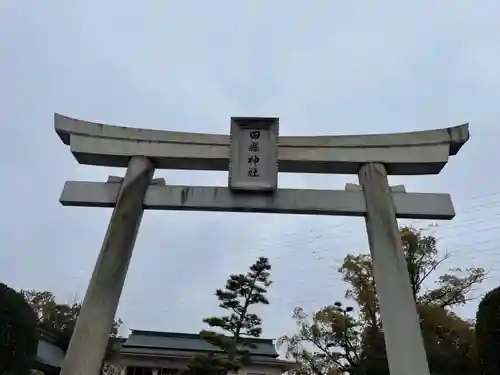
322	67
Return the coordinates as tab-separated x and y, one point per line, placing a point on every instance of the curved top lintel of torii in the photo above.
421	152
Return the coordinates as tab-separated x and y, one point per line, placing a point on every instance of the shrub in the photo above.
18	333
488	333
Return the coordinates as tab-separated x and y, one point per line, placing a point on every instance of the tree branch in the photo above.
432	269
329	355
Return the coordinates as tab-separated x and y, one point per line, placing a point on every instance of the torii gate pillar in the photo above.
91	334
403	338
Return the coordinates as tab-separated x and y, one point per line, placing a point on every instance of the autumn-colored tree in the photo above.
241	293
328	342
58	318
448	338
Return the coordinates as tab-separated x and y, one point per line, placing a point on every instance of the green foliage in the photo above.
241	292
56	317
337	339
449	341
18	333
488	333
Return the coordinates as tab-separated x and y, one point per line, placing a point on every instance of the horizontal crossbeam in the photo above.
423	152
283	201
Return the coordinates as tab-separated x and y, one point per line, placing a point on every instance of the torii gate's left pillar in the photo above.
90	337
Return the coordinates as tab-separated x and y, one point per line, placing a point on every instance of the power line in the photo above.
324	244
348	228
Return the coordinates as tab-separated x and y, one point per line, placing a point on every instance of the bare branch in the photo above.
433	268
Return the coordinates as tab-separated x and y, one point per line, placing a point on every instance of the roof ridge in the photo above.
187	335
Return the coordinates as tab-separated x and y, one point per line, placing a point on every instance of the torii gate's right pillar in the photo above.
403	339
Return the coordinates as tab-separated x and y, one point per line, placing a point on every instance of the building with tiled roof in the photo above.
162	353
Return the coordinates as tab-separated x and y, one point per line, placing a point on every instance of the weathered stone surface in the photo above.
253	154
356	187
286	201
90	337
119	180
424	152
398	312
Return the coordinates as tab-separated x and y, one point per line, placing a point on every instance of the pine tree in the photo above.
242	291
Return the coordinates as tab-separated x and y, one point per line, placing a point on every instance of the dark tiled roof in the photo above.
187	342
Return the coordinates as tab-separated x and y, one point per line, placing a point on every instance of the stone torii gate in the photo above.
253	155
